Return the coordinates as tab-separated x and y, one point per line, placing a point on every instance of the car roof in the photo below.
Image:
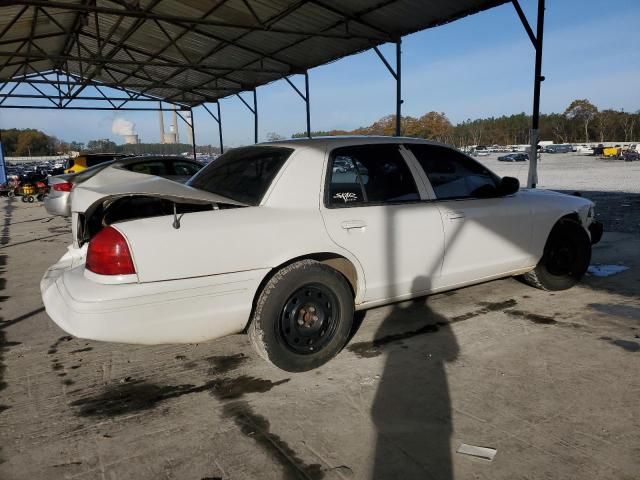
347	140
142	158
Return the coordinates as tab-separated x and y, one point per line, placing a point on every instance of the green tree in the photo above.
103	145
583	112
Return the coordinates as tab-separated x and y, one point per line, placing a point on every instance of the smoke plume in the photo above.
122	126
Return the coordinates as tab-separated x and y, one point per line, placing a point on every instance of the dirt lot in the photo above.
549	380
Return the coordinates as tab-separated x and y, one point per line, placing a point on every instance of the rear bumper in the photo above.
596	229
176	311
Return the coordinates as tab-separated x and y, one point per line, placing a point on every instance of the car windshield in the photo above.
242	174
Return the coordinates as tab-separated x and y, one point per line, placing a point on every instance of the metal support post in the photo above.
255	116
398	88
397	75
220	128
538	78
253	110
218	120
193	133
304	97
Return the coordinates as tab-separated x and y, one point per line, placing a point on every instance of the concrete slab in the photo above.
550	380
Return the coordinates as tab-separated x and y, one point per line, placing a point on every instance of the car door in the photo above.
374	208
485	234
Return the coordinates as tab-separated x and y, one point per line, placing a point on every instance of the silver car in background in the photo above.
178	169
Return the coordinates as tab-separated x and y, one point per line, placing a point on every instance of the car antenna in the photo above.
176	218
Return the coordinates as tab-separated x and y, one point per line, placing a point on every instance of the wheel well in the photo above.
571	216
333	260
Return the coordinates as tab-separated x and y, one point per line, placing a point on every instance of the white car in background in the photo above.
275	239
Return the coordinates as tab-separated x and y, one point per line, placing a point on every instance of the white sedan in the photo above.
285	240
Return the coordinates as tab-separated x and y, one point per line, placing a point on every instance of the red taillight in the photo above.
63	187
109	254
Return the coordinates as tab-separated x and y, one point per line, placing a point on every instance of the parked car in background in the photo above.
514	157
480	151
631	155
558	148
178	169
87	160
282	241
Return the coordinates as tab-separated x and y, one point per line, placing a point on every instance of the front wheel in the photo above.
565	260
303	316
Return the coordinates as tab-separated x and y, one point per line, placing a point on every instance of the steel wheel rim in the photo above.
562	258
309	319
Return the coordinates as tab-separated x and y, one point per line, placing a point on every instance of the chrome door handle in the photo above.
349	224
455	215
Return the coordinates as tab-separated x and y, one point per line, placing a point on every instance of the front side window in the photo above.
242	174
370	174
452	174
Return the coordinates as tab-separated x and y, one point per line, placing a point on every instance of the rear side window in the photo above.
452	174
242	174
149	168
92	160
369	174
185	169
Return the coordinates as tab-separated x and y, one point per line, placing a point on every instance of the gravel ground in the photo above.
613	184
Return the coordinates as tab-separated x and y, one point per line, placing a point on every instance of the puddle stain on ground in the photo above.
233	388
139	396
86	349
219	365
532	317
258	428
54	347
627	345
487	307
373	348
131	398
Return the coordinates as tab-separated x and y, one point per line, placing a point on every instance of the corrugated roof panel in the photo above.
259	41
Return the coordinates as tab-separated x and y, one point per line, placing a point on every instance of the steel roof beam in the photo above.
13	21
173	19
334	25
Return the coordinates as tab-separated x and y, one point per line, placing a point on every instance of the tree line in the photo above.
581	122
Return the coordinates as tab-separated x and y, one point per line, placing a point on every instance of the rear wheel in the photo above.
565	260
31	199
303	316
24	198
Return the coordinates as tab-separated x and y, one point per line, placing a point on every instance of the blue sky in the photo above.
479	66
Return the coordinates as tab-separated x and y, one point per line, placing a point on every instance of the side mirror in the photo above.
508	186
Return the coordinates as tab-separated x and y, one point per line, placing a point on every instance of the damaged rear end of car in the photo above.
96	290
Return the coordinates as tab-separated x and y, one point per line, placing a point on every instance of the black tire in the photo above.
24	199
303	316
31	199
565	260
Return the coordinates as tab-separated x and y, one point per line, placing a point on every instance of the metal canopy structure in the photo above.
133	54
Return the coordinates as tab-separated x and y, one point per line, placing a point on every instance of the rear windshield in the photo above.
98	159
242	174
87	173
